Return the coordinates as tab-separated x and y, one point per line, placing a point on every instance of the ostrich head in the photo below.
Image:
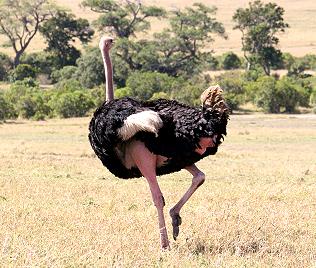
215	112
106	43
213	100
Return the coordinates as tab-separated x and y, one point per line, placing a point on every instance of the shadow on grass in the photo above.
203	247
11	122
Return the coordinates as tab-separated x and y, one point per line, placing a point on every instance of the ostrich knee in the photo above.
198	179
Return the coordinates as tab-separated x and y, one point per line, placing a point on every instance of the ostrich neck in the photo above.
109	92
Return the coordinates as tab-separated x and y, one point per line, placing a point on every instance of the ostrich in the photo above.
135	138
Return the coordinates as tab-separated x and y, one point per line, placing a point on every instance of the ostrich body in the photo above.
134	138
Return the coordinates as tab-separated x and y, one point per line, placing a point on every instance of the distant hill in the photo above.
299	39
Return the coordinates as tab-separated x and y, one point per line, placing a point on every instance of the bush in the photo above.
230	61
289	94
90	72
188	94
312	100
28	100
122	92
71	104
5	66
32	105
6	109
23	71
233	87
160	95
66	73
305	89
264	94
44	62
309	61
98	95
19	89
275	95
144	85
287	60
68	85
253	74
189	91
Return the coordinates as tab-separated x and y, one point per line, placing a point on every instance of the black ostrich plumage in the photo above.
183	126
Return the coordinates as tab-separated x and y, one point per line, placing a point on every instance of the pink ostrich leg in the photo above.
198	180
146	163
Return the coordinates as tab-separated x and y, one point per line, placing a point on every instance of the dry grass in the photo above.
60	208
299	40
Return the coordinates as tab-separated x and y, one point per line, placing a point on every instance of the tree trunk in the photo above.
266	69
17	57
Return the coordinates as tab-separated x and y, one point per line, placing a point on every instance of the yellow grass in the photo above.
60	208
299	40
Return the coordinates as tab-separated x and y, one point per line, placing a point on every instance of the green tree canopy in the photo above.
182	46
61	32
259	25
123	18
20	21
179	49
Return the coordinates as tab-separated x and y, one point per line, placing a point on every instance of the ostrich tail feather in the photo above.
212	99
148	121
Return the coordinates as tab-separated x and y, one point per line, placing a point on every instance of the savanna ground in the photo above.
60	208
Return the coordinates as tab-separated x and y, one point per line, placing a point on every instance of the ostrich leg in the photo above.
146	163
198	180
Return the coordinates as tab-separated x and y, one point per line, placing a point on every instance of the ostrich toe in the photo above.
176	222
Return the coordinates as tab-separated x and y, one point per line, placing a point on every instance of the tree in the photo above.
182	46
61	32
259	25
90	69
178	50
123	18
20	21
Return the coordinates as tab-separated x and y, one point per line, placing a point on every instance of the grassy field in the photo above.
60	208
299	39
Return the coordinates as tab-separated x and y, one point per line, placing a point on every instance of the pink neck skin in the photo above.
109	91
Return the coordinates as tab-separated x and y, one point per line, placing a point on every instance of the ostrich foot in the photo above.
176	222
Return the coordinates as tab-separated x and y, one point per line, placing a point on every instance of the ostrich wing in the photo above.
148	121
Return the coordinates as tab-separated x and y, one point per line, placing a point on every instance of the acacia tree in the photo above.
123	18
20	21
61	32
183	46
259	25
